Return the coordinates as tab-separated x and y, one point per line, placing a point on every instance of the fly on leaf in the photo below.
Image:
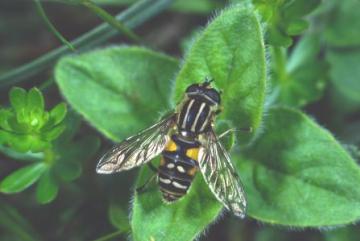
187	143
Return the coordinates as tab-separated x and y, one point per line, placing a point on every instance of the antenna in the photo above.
207	81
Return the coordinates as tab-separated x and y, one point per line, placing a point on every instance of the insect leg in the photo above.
143	187
152	167
248	130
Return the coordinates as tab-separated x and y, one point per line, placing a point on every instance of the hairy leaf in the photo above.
230	51
183	220
118	217
123	89
297	174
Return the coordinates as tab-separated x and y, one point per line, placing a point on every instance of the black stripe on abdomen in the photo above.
173	178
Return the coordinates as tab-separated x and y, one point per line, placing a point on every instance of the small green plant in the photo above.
279	65
26	126
30	133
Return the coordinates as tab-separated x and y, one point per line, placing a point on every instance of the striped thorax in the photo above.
198	109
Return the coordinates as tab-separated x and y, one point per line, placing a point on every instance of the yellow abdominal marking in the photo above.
193	153
192	171
171	146
162	161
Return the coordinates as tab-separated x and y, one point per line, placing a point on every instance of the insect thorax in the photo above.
195	116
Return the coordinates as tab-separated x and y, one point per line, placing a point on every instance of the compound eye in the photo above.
214	95
193	88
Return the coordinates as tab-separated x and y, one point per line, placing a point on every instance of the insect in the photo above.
187	143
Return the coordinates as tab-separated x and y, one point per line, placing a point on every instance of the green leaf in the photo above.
296	27
119	90
71	154
297	174
345	74
27	126
118	217
68	171
22	178
18	99
5	116
284	18
35	99
54	133
342	28
28	156
183	220
47	189
72	122
58	113
231	51
35	114
199	6
239	69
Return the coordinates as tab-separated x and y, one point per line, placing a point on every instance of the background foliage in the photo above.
288	69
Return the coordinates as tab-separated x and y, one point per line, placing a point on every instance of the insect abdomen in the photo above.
177	168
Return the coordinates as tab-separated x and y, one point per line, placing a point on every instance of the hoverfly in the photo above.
187	142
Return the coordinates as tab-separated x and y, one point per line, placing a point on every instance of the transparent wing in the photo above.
137	150
220	175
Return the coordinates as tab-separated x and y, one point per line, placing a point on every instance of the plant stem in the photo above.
50	26
131	17
28	156
110	236
279	58
46	84
111	20
49	156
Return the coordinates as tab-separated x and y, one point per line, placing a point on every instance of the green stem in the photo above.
46	84
110	236
28	156
279	58
49	156
50	26
111	20
131	17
